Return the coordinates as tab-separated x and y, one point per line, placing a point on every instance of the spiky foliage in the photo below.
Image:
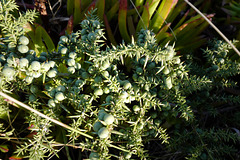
11	25
116	99
212	135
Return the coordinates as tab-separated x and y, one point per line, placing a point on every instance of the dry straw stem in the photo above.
16	102
42	115
214	27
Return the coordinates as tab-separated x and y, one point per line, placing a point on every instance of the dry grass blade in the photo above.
42	115
214	27
14	101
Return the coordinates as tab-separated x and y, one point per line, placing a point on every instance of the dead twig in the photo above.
214	27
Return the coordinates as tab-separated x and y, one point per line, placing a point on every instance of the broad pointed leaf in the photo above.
70	7
139	3
77	15
122	20
162	13
113	11
144	19
162	33
100	5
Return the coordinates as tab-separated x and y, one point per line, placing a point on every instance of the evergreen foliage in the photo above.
121	97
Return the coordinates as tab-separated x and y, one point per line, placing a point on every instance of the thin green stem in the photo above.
214	27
